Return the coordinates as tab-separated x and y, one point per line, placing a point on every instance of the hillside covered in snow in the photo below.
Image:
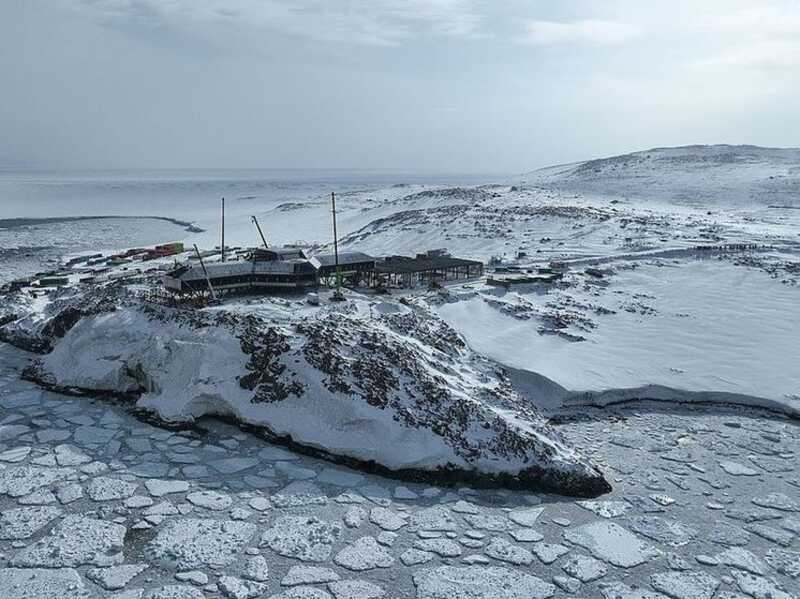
694	175
383	385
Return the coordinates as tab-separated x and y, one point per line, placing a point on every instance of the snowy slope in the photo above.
695	175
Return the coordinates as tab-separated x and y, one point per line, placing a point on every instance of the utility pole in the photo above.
337	295
205	272
223	229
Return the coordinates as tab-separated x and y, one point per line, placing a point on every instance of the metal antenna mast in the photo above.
255	221
223	229
205	272
337	295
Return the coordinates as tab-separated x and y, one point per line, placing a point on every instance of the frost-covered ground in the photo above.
98	504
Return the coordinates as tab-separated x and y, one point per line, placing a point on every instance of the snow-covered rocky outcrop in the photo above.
700	174
383	385
36	324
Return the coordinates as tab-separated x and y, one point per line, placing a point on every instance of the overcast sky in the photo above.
444	85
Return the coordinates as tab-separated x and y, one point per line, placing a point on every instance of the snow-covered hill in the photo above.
695	175
385	384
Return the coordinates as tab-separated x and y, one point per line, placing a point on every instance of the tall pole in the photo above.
336	247
205	272
263	239
223	229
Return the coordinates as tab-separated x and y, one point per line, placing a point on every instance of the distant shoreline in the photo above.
11	223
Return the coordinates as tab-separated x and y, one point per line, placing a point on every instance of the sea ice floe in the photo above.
256	568
364	554
526	535
298	575
354	516
387	519
404	494
159	488
295	472
611	542
17	481
778	501
780	537
260	504
24	522
465	507
196	577
737	469
38	497
299	493
190	543
584	568
490	522
606	509
303	538
567	584
685	585
17	454
116	577
620	590
356	589
433	518
340	478
12	431
233	465
68	493
441	547
414	557
108	489
236	588
138	501
526	516
784	562
211	500
549	552
34	583
668	532
479	582
93	435
500	549
174	591
76	541
742	559
302	592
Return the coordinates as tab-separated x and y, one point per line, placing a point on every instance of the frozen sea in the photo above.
29	244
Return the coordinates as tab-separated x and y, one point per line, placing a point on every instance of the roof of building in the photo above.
345	258
402	264
281	253
239	268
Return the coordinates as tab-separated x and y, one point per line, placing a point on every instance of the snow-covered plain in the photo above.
695	325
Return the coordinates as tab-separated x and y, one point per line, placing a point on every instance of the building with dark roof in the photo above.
242	276
353	265
426	268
